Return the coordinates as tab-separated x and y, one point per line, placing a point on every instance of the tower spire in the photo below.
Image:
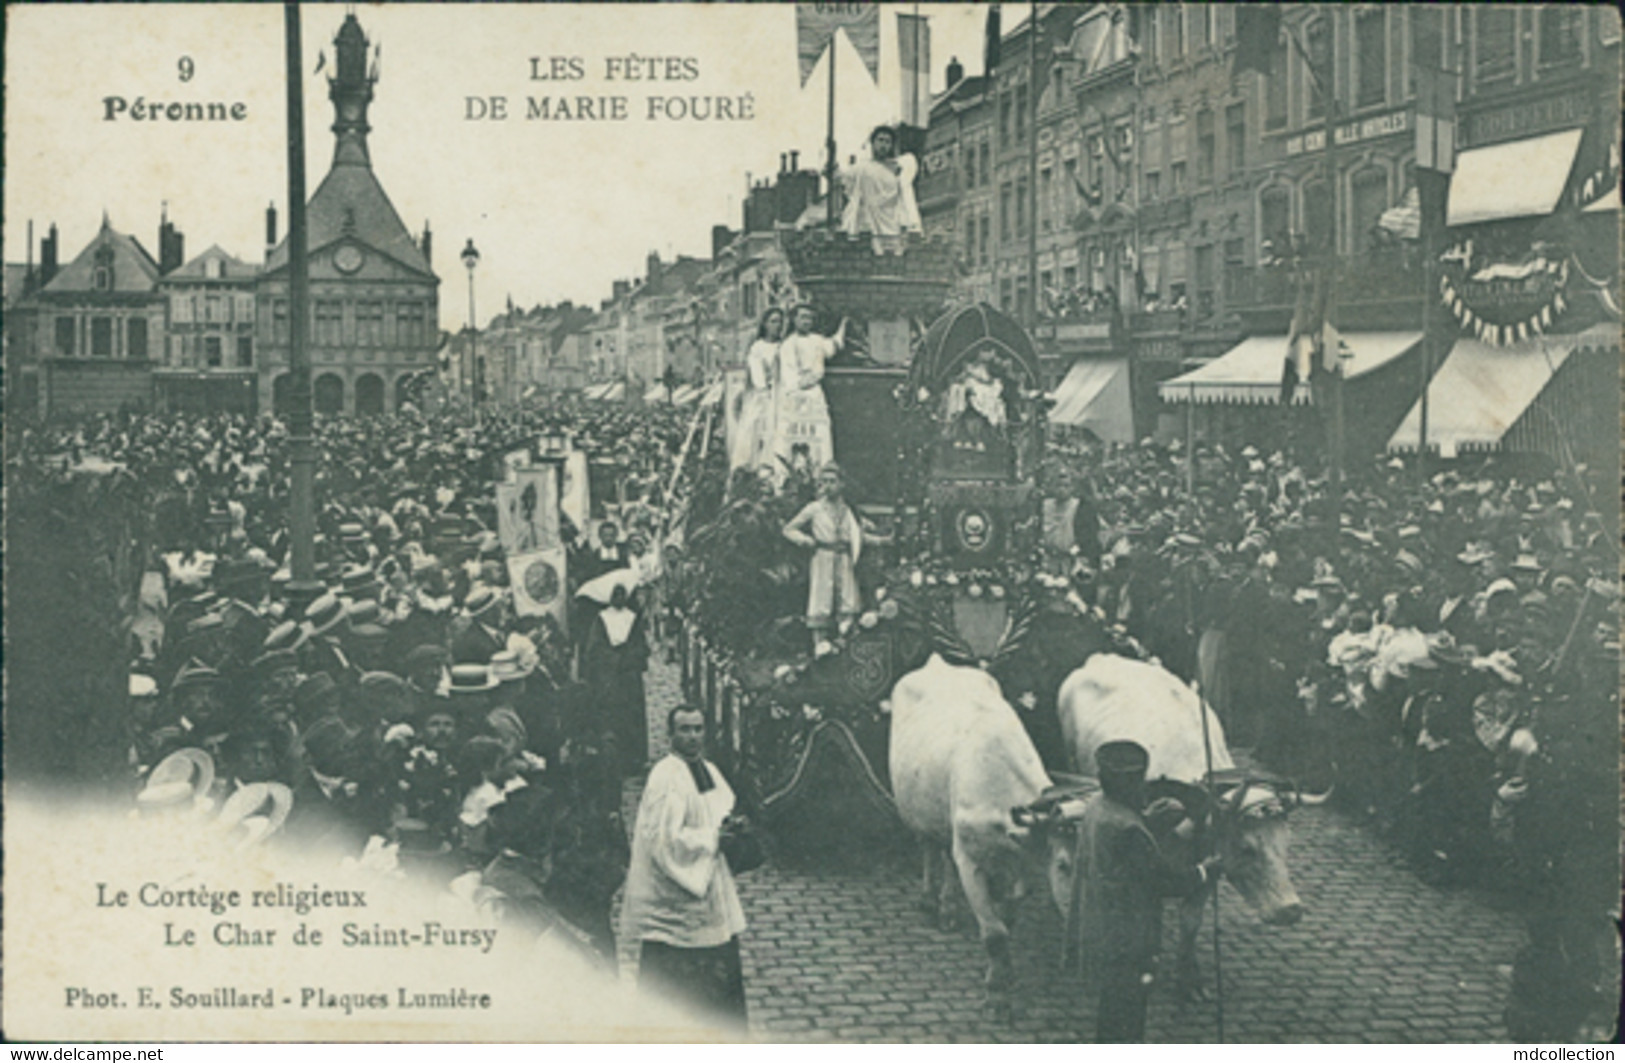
350	89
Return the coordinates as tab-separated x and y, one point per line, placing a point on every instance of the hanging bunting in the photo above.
1492	294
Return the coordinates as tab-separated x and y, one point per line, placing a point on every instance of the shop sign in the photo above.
1351	132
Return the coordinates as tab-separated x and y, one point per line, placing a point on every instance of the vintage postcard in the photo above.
811	522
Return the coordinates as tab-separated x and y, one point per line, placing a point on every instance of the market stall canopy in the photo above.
712	395
616	392
598	391
685	395
959	335
1481	390
1095	395
658	393
1250	372
1518	179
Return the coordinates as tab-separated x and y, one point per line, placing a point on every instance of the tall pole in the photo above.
1032	166
302	502
831	199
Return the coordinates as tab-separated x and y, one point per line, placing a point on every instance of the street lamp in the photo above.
471	258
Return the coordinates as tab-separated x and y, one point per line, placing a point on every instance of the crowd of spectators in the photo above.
400	702
1438	649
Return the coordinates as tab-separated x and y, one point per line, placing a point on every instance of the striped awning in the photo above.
1517	179
1482	390
1250	372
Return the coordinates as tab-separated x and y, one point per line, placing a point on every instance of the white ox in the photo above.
1113	698
960	762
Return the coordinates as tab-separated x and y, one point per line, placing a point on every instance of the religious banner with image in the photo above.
538	583
528	510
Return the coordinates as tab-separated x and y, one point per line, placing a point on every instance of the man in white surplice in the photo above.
681	905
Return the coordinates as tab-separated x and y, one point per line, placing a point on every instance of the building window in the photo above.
1371	53
370	324
1153	186
1004	122
1004	211
1275	90
1560	30
1046	286
1206	146
213	309
1069	279
212	351
65	334
135	336
1176	178
1427	36
1176	35
1046	193
103	279
970	167
1275	222
1021	207
1097	165
1235	147
1204	280
279	321
1005	292
1370	200
245	352
101	337
1069	194
1021	112
986	171
1496	54
1202	35
1317	216
410	321
1318	37
982	240
747	300
329	323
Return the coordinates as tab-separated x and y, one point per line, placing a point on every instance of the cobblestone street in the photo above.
1380	956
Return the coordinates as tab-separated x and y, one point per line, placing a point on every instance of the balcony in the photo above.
1386	284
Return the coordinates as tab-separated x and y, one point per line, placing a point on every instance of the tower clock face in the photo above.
348	258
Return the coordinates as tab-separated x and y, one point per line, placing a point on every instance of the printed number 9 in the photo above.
186	68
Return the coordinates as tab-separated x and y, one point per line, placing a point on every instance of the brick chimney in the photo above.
956	72
47	257
427	243
270	230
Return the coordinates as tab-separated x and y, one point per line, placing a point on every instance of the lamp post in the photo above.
471	258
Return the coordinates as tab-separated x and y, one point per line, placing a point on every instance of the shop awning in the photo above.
597	391
1518	179
1095	395
657	393
1250	372
1610	201
685	395
1481	390
616	392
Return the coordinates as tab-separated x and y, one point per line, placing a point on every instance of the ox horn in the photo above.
1316	800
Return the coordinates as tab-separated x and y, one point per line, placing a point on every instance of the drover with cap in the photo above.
1124	878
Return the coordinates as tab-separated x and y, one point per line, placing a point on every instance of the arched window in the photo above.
329	394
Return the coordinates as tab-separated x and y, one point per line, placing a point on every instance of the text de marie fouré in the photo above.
662	81
664	84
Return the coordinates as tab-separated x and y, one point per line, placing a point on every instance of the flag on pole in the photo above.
817	24
914	49
991	43
1435	119
1258	33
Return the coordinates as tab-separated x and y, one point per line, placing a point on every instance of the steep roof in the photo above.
133	269
234	268
351	202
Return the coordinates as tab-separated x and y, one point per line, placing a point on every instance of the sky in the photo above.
558	209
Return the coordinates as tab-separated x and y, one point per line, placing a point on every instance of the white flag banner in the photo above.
575	496
537	580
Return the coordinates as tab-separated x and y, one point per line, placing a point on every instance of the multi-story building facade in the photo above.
96	327
374	296
207	362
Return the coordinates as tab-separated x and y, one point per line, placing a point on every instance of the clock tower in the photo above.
374	297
